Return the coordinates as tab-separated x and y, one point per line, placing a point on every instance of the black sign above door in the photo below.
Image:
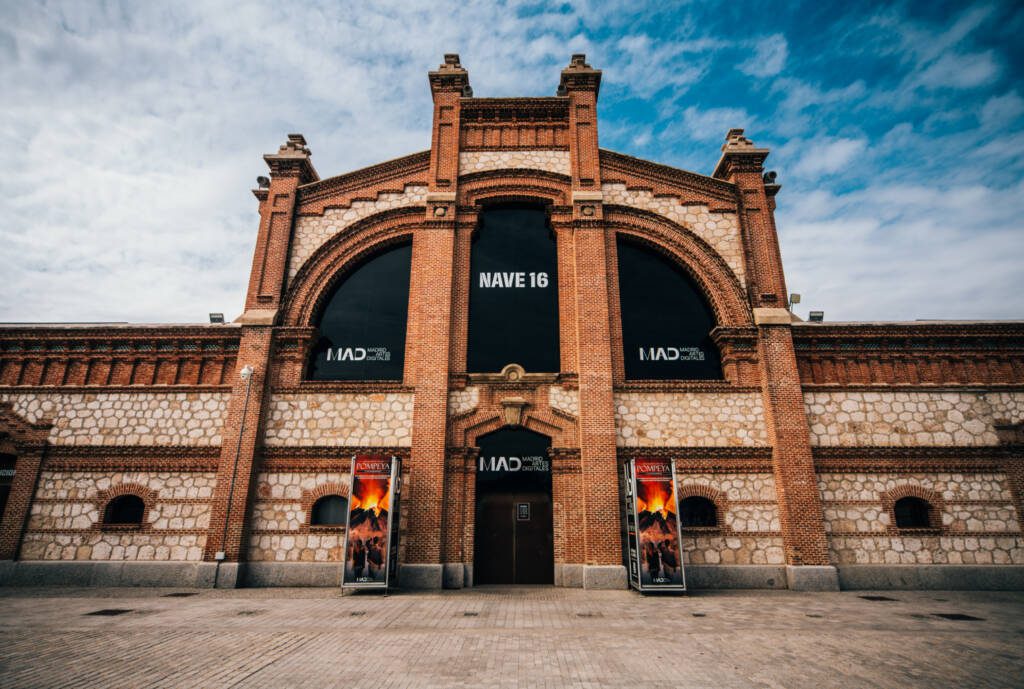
513	292
363	321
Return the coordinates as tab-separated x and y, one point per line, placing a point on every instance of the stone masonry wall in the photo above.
689	419
978	520
64	523
126	418
720	230
313	231
463	401
280	529
910	418
479	161
340	419
748	518
563	400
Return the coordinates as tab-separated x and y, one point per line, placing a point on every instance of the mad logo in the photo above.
358	354
671	354
513	464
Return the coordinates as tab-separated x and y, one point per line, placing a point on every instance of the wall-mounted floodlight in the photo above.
246	372
263	182
216	318
794	298
816	316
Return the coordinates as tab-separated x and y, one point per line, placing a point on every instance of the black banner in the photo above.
513	292
363	321
666	322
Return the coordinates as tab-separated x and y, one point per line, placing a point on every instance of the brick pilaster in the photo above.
433	255
237	467
796	483
289	168
581	84
19	500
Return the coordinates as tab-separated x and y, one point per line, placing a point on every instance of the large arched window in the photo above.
329	511
363	321
513	292
124	510
666	321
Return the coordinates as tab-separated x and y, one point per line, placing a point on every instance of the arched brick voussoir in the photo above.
720	285
338	255
514	185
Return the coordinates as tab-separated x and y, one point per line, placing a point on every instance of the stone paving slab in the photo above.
507	637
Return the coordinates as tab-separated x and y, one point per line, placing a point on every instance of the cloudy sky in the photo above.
133	131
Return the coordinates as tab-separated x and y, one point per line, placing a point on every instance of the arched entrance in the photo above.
514	537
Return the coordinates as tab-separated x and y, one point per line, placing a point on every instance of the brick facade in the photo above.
804	447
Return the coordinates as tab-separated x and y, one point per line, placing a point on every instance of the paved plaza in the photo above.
508	637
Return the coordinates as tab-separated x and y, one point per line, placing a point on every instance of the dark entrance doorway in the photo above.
514	540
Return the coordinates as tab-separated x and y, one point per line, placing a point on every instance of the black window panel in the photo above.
329	511
124	509
513	442
912	513
666	322
513	292
363	321
697	511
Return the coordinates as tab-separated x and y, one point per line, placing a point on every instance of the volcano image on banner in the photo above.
366	547
657	524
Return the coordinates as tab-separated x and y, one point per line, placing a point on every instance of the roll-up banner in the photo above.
655	553
371	530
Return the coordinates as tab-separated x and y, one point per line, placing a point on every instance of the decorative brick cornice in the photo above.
954	453
450	76
580	76
637	169
911	354
366	183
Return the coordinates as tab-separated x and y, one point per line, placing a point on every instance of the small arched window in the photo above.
697	511
124	510
329	511
912	513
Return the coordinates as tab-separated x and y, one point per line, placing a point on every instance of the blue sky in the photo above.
132	132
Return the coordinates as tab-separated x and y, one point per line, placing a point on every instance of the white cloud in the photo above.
826	156
769	57
1006	109
959	71
713	123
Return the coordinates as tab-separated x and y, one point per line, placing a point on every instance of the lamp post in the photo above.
246	375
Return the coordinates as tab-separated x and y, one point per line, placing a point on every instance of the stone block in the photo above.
604	577
312	574
932	577
735	577
454	575
420	577
229	575
812	578
569	576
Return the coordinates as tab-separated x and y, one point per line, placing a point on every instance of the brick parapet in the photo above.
846	355
115	355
